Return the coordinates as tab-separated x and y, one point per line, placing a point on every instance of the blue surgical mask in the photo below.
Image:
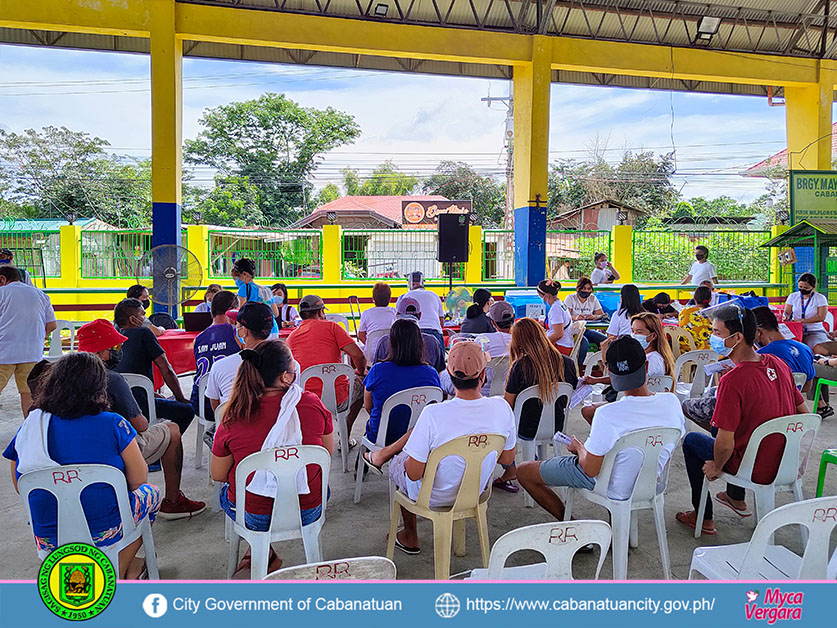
278	299
238	282
718	346
641	339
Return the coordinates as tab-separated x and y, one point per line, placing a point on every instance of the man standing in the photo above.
157	443
430	306
758	388
213	343
433	354
702	269
26	317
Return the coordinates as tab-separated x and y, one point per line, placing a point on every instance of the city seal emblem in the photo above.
77	581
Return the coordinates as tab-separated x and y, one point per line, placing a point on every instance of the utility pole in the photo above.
508	219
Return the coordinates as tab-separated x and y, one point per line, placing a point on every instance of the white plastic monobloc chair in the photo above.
791	468
660	383
362	568
799	379
203	422
56	349
683	389
66	483
546	425
328	374
761	560
556	542
592	360
416	399
578	328
141	381
647	493
285	520
339	318
500	366
370	347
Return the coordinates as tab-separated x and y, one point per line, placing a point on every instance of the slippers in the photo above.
682	518
505	485
412	551
367	458
723	498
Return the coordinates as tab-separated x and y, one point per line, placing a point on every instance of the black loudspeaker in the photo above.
453	238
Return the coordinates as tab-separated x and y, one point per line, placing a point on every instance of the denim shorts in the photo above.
565	471
261	523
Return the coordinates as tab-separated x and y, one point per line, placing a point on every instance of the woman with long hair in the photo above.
558	319
647	329
263	395
535	361
404	368
287	312
73	401
630	303
476	319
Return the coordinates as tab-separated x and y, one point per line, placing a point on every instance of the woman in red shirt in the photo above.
264	377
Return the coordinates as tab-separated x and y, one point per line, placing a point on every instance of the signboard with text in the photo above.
813	195
425	212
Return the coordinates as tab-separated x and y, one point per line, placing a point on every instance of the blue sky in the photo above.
413	119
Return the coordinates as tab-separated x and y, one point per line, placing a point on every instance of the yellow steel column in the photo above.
332	260
808	124
70	252
473	267
623	252
197	241
531	83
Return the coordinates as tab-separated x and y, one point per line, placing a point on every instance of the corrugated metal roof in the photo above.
806	228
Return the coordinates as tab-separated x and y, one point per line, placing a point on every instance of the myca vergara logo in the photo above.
777	606
77	581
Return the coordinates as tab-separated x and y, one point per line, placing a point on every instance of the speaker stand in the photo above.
450	277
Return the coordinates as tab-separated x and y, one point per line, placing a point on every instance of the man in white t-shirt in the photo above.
432	314
26	317
468	413
702	269
639	409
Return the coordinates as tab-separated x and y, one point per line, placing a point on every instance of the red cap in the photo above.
98	335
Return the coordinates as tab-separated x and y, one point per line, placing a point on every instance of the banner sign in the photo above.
425	212
424	604
813	195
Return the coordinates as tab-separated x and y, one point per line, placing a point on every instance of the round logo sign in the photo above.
414	213
77	581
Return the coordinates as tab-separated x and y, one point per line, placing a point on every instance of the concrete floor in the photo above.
195	549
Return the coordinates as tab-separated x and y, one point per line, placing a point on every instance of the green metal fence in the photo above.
278	254
39	252
569	253
390	253
115	254
668	255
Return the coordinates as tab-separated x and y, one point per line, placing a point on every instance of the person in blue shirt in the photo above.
244	273
796	355
82	431
404	368
213	343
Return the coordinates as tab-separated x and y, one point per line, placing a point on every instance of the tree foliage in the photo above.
385	180
274	143
233	202
458	181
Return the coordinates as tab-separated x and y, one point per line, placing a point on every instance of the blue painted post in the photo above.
529	245
166	229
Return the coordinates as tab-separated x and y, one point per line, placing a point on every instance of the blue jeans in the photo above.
176	412
261	523
697	449
594	337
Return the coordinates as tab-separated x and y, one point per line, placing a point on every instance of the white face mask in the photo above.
641	339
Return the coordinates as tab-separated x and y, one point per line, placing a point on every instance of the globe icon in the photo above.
447	605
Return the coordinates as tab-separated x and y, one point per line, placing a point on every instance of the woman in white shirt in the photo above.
810	308
647	329
630	304
211	290
379	317
603	270
287	313
558	319
584	306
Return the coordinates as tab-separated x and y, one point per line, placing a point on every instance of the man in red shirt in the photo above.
758	388
321	341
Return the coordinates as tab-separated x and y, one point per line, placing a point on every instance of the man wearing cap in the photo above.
140	352
243	273
639	409
430	305
411	309
159	442
26	317
6	259
318	340
468	413
660	305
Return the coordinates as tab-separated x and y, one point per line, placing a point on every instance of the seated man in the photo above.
318	340
660	305
468	413
213	343
758	388
433	355
140	293
139	353
638	409
158	442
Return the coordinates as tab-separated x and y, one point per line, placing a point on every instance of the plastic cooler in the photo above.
609	301
526	303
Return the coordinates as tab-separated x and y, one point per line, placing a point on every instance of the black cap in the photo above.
311	303
256	317
6	253
626	364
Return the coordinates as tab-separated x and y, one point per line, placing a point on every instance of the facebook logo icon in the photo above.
155	605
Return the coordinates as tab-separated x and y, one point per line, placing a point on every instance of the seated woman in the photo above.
211	290
692	320
534	362
404	368
287	312
630	303
810	308
558	320
476	319
584	306
265	394
73	400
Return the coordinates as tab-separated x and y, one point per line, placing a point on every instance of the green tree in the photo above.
274	143
233	202
329	193
385	180
56	172
458	181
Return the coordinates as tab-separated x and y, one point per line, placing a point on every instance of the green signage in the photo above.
813	195
831	265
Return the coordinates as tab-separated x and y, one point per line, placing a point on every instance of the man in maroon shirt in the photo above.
757	389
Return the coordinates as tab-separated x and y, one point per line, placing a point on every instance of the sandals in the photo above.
411	551
723	498
505	485
367	458
825	412
682	517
